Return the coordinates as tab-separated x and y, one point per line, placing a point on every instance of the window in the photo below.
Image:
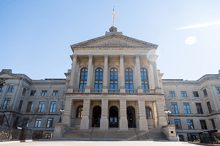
98	80
203	124
129	80
83	78
6	103
113	80
49	122
37	123
209	107
44	93
41	107
52	107
55	93
30	106
148	113
33	93
1	88
190	124
195	94
25	122
20	105
172	93
183	94
177	124
79	112
186	108
199	108
205	92
174	108
10	88
217	89
24	91
15	123
1	119
144	79
213	123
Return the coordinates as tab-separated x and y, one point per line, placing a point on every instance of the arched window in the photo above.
148	113
79	112
98	79
113	80
83	78
144	79
129	80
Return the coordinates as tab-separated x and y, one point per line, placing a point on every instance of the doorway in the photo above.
131	117
113	117
96	116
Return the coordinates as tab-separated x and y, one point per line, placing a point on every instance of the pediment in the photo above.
7	75
114	40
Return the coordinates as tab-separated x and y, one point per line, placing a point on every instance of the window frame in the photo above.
38	122
144	79
53	108
172	93
190	123
203	125
209	107
113	80
20	105
205	92
1	89
175	108
41	108
180	126
183	94
129	81
187	111
33	93
24	91
44	93
149	113
55	93
30	106
98	80
49	123
217	90
11	88
199	111
6	103
195	93
83	78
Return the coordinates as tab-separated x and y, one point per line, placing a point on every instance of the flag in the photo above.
113	14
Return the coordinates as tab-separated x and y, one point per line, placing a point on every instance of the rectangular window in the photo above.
199	108
1	88
50	122
1	119
55	92
186	108
41	107
10	88
195	94
203	124
25	122
30	106
205	92
33	93
190	124
183	94
44	93
6	103
174	108
52	107
172	93
217	89
37	123
213	123
177	124
20	105
24	91
209	107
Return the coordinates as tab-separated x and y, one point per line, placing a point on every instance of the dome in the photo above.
113	29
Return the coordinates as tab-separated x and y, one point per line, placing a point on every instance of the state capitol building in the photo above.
113	86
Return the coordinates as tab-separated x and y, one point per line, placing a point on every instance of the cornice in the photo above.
112	48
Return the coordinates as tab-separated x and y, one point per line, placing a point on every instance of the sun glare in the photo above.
190	40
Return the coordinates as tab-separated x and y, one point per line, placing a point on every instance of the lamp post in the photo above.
167	112
61	112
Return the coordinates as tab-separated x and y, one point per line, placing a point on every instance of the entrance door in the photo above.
131	117
113	117
96	116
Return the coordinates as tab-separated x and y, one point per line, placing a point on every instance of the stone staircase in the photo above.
114	134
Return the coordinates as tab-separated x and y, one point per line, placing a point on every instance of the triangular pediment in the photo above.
114	40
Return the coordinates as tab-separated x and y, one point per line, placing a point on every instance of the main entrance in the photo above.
96	116
113	117
131	117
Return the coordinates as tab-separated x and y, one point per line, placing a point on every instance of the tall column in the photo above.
85	114
156	81
104	118
66	120
122	74
140	88
161	114
143	125
70	89
123	122
105	76
88	85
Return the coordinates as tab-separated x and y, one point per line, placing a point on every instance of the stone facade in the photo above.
133	101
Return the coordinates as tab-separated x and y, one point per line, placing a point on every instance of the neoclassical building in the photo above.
113	83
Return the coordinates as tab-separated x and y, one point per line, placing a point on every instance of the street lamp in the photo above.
167	113
61	112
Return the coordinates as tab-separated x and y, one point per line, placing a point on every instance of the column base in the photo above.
123	124
140	90
104	123
84	123
143	125
122	90
104	90
87	90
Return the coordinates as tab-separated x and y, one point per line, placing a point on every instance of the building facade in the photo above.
113	83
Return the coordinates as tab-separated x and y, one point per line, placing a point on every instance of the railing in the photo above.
131	90
147	91
96	90
113	91
79	91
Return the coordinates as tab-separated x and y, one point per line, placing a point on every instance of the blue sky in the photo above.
35	36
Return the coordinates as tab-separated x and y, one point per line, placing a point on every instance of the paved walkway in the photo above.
96	143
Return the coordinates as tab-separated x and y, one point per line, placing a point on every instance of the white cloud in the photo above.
201	25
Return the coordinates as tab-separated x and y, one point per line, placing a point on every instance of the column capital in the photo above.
121	56
105	56
90	56
74	56
137	56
